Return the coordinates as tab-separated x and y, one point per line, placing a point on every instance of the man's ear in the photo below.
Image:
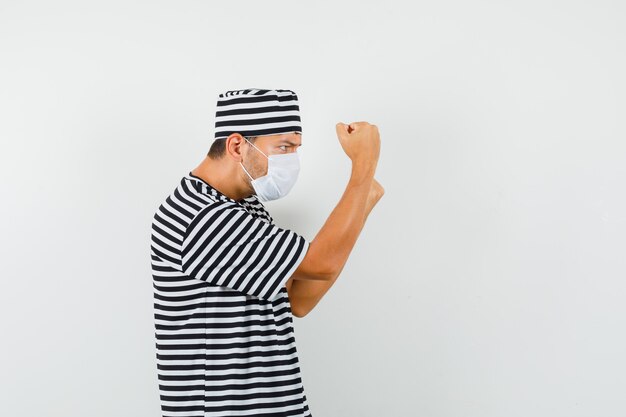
234	144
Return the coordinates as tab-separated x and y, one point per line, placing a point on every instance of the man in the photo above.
227	280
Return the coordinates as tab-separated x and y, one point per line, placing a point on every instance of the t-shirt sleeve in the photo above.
227	246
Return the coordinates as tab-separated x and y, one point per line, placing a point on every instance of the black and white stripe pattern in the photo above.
225	344
257	112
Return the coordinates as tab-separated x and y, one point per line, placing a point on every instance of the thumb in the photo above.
342	129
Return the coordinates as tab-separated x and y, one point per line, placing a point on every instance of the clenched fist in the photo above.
360	141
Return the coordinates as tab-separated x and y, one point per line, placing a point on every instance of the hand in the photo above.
360	141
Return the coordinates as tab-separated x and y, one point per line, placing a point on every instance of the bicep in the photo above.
313	267
310	281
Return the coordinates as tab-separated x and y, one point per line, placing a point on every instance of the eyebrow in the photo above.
290	143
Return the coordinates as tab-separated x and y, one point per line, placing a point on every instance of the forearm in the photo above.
339	233
305	294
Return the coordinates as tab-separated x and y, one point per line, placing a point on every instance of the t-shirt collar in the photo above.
207	188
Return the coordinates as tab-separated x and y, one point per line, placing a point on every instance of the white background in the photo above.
488	282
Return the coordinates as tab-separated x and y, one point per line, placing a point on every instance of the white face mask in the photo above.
282	173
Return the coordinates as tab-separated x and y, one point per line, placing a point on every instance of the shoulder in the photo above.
215	209
219	217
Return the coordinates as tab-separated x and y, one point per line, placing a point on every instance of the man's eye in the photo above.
283	146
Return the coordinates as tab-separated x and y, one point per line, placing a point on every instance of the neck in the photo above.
224	177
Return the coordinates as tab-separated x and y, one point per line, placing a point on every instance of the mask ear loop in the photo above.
244	168
247	173
256	147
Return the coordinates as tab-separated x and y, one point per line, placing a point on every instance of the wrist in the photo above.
363	172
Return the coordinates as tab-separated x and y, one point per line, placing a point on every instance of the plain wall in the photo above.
490	279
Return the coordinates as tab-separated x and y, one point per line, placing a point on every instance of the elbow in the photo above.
299	313
300	308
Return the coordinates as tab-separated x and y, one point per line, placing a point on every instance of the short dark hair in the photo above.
218	147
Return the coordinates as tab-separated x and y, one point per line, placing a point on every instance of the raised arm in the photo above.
329	250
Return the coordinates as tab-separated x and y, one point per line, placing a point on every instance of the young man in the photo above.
228	281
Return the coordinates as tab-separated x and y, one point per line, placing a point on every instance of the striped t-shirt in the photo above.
225	343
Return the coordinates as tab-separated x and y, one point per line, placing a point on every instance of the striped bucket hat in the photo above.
257	112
